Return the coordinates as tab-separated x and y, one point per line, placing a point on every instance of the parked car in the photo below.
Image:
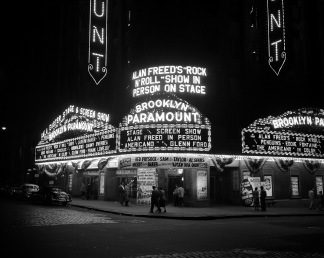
8	190
26	190
53	194
14	192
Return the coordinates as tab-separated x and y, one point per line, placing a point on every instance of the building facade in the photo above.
233	64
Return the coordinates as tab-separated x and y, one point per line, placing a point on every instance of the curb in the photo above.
195	217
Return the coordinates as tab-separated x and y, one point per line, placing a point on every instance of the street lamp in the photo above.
28	175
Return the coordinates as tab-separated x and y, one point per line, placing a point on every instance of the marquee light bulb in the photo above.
102	8
96	33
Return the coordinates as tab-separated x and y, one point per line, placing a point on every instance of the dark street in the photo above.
37	230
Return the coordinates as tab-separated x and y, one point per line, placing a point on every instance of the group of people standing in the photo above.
259	199
85	191
157	199
178	196
124	192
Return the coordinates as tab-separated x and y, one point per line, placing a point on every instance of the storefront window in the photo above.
295	186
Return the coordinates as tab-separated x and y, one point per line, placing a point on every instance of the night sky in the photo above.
32	62
42	47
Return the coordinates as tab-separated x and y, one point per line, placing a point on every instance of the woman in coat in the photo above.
263	196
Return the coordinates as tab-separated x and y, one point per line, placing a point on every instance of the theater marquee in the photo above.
97	144
161	138
295	133
164	123
75	121
77	133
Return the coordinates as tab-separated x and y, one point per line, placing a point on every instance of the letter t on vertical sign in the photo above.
98	28
276	35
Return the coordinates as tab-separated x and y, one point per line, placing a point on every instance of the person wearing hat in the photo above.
155	199
311	196
263	196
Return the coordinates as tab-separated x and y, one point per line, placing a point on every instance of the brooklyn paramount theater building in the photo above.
165	141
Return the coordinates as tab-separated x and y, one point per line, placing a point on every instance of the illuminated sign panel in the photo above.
161	138
97	144
164	161
98	29
170	79
164	109
276	35
75	120
291	121
295	133
263	142
164	122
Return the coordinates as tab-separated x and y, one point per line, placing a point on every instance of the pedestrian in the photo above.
88	191
155	200
121	192
320	200
83	191
176	196
255	194
162	198
311	196
263	196
127	193
181	196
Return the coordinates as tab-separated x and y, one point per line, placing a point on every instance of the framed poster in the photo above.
202	185
255	182
295	186
246	192
319	184
102	184
146	178
246	174
268	185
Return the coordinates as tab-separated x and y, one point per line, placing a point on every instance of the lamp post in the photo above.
28	176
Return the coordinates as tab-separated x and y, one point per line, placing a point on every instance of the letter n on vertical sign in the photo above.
276	35
98	28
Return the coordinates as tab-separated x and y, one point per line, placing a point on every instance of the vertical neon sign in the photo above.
276	35
98	27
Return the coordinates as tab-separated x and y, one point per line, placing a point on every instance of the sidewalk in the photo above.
190	213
